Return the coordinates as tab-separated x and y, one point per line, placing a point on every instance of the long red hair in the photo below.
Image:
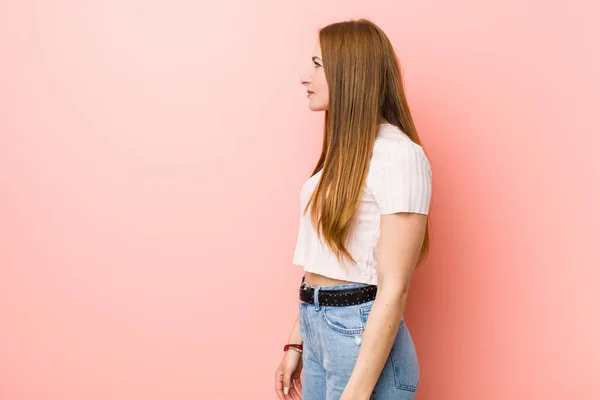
365	85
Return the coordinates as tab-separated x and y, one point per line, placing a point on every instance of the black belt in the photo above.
340	297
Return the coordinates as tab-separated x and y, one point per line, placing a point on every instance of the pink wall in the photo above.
151	156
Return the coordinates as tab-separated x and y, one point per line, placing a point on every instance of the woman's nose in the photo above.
304	78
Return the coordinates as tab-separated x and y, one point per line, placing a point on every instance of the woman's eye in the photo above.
317	65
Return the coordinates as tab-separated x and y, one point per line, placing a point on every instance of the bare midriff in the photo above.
313	279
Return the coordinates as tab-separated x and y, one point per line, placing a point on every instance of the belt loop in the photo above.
316	297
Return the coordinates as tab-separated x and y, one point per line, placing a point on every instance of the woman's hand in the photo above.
287	377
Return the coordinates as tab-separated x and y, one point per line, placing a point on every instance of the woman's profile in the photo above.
363	227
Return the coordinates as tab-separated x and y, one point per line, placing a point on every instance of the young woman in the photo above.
363	227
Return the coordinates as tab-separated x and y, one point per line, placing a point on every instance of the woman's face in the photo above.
314	80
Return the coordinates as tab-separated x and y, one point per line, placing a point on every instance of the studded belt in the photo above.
340	297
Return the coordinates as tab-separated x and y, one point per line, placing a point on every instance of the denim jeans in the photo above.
332	338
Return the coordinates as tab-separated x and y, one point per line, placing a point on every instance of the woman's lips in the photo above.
310	94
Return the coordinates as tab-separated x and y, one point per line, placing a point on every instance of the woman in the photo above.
363	227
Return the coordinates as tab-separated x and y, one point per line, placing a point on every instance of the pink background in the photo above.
151	157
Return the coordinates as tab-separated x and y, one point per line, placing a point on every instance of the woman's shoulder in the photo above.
393	146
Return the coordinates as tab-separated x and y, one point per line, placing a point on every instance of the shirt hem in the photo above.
339	276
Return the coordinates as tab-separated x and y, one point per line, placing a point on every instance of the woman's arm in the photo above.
400	243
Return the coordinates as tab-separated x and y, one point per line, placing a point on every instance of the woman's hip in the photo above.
334	335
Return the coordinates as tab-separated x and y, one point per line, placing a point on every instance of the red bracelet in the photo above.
297	347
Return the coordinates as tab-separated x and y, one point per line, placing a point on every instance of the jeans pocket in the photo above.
403	355
404	361
365	310
345	320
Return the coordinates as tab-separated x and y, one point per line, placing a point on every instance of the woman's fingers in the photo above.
298	385
279	383
287	382
296	390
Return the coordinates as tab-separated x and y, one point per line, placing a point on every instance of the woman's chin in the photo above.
316	107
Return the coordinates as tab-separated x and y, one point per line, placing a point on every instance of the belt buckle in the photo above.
304	287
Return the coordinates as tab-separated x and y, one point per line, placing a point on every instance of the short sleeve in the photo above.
402	180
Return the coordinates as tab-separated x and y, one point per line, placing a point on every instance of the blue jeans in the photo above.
332	337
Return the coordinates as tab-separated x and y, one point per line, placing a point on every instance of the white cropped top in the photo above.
399	180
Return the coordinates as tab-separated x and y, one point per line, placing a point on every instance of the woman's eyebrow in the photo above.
313	58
